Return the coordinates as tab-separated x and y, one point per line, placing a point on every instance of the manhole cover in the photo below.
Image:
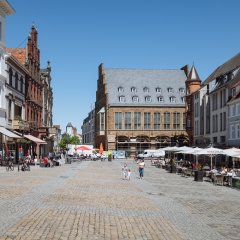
63	176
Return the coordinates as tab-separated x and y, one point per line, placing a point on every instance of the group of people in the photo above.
127	171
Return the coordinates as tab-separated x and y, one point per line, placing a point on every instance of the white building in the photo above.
234	113
5	9
211	124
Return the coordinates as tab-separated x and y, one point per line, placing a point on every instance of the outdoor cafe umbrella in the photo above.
211	152
169	149
192	151
183	150
82	148
232	152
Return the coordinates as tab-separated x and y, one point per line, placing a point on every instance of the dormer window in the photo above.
181	90
146	89
172	99
133	89
170	90
158	90
122	99
135	99
148	99
120	89
160	99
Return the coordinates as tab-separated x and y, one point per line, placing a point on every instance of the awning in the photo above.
34	139
8	133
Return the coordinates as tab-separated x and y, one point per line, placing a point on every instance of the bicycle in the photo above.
10	166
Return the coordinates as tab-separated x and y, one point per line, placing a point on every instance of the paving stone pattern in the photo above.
90	200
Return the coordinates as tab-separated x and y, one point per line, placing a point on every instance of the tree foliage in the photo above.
67	139
75	140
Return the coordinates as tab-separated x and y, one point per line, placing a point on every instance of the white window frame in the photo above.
122	99
148	99
160	99
145	89
135	99
172	99
120	89
181	90
170	90
158	90
133	89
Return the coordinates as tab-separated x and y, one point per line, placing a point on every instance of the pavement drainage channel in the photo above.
154	193
64	176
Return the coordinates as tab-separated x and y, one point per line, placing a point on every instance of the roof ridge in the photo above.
149	69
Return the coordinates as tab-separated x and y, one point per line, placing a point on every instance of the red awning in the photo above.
83	148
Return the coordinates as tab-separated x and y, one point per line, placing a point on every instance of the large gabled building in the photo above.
139	109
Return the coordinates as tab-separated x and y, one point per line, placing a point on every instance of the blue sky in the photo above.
76	36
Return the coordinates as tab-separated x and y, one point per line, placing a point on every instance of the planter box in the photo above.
236	183
198	176
172	169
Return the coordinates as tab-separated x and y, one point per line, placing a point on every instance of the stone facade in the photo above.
129	136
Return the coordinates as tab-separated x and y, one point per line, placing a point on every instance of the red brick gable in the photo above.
19	53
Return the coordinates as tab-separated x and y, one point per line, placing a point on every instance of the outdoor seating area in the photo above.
217	166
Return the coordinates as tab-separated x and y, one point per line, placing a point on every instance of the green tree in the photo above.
65	141
75	140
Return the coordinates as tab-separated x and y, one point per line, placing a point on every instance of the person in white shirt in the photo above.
141	166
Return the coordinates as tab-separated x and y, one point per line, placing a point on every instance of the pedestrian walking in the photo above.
35	161
128	174
141	166
125	171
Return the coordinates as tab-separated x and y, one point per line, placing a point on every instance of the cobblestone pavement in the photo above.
90	200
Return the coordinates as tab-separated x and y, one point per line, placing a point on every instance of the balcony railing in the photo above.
19	124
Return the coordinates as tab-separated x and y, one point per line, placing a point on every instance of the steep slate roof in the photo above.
228	66
140	78
19	53
193	74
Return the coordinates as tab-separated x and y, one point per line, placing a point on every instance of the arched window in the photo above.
158	90
160	99
16	81
122	98
148	99
10	76
145	89
172	99
133	89
170	90
181	90
135	99
120	89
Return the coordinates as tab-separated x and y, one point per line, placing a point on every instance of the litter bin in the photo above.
198	176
